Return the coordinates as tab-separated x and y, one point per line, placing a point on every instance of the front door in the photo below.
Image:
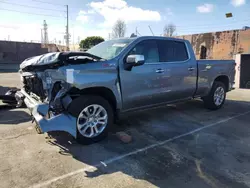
140	87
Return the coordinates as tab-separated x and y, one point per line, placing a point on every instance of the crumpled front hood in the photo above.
44	59
56	59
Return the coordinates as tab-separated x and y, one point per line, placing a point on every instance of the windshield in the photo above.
109	49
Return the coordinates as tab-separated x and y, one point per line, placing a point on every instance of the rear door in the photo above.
180	70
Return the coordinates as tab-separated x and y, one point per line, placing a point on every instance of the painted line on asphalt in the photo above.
120	157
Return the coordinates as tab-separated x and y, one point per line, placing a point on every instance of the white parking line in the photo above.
117	158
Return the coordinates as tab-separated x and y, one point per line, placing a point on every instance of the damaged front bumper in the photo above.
61	122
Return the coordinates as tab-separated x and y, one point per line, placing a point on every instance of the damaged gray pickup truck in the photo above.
83	93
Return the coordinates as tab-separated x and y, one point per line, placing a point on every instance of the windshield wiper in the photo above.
79	55
82	57
96	57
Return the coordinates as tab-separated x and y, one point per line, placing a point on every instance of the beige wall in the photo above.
16	52
220	45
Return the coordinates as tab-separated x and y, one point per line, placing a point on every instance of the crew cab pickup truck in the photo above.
83	93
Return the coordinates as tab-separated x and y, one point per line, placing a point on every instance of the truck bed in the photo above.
208	70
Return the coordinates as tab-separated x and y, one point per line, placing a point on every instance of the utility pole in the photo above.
42	36
45	29
78	39
67	28
73	37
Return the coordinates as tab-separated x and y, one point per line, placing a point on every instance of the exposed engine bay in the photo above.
33	84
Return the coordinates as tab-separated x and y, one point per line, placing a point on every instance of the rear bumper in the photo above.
231	86
62	122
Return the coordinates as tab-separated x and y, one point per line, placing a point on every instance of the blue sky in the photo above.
96	17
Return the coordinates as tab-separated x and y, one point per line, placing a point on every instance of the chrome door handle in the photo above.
190	68
159	71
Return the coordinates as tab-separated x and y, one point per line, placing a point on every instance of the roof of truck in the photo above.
153	37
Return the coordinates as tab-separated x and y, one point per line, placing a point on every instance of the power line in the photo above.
30	6
197	29
6	26
48	3
193	32
231	23
211	27
55	4
205	27
30	13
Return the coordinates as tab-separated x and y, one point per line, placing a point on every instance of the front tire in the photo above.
216	96
94	117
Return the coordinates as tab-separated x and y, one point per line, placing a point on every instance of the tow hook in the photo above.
33	120
38	129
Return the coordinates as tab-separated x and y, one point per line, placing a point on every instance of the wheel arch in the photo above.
104	92
224	79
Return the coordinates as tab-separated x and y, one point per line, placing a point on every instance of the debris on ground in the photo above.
124	137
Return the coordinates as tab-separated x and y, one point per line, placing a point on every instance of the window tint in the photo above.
171	51
147	48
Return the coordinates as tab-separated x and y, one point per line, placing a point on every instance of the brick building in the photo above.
219	45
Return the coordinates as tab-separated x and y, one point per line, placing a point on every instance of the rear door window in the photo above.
172	51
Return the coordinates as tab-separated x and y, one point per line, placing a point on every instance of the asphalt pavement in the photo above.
181	145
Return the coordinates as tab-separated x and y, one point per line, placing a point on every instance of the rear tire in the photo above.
216	96
81	107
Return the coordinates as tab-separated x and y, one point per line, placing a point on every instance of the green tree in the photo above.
90	42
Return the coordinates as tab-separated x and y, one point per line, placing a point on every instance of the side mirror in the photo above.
135	60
